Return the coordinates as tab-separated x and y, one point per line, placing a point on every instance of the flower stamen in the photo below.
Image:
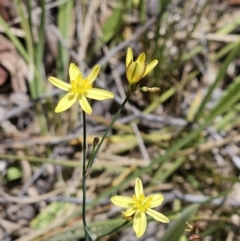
142	204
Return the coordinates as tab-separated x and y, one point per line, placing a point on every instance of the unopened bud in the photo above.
151	90
95	141
128	218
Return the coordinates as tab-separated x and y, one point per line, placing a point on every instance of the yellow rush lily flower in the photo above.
136	70
79	89
139	206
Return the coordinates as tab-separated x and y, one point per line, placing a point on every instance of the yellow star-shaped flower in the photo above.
79	89
139	206
136	70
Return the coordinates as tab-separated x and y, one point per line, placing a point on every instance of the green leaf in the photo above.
175	231
113	24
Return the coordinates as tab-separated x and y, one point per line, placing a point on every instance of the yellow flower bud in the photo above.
136	70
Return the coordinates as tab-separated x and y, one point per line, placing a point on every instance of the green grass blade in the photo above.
14	39
228	28
142	11
65	12
35	81
176	230
230	97
114	23
41	35
162	174
226	49
219	77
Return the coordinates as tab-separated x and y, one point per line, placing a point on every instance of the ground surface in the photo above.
183	141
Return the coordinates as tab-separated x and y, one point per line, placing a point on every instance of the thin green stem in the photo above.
108	129
89	233
84	176
91	161
113	230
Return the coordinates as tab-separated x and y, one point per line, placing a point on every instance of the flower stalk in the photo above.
84	176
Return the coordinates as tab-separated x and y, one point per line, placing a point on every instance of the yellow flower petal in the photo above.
141	58
138	187
121	201
139	223
85	105
129	56
129	212
99	94
156	200
157	216
150	67
59	83
74	71
66	102
135	72
93	74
